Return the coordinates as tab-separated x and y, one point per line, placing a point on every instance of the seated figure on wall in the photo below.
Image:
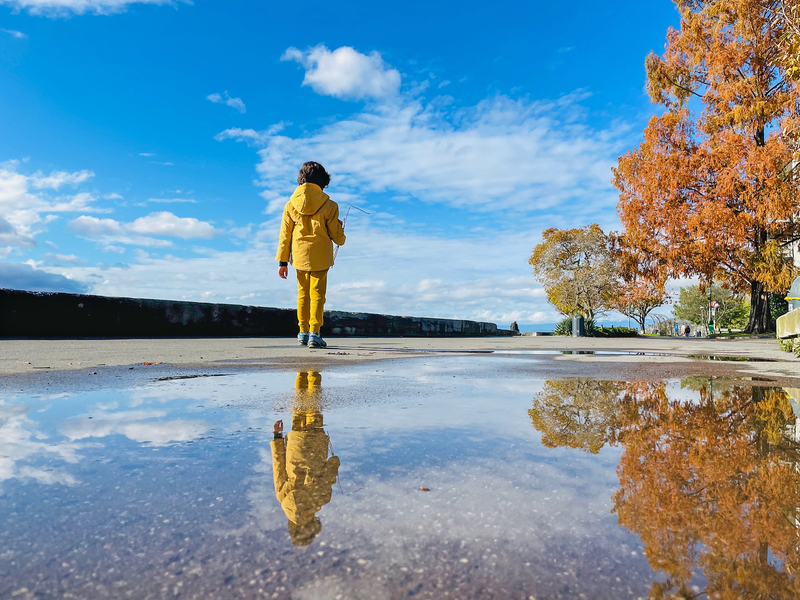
302	471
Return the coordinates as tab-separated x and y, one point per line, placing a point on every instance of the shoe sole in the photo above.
317	345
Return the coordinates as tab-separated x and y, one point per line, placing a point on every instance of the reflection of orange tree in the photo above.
710	485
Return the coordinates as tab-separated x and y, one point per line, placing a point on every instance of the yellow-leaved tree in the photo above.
576	269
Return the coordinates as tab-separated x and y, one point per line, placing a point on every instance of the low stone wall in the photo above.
788	326
43	315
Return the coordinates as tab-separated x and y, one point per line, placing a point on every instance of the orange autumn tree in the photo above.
789	15
713	195
713	488
711	485
642	281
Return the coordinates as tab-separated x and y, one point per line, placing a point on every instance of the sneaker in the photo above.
302	339
316	341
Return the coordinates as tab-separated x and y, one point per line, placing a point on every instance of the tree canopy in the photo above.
711	488
576	269
692	306
714	194
584	271
789	14
711	485
642	281
576	413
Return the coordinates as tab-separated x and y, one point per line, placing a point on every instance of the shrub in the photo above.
564	327
791	345
610	332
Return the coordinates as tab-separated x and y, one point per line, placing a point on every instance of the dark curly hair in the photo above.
313	172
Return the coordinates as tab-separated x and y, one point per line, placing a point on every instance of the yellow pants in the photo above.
311	288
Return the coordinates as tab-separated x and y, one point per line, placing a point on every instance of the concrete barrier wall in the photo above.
788	326
44	314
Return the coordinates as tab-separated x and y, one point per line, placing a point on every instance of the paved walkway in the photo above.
29	356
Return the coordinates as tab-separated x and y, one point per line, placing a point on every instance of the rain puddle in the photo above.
446	477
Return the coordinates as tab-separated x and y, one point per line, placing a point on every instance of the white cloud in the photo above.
113	196
146	154
110	231
26	204
346	73
226	99
94	227
168	224
58	178
77	203
62	259
251	136
500	155
15	34
62	8
9	236
169	201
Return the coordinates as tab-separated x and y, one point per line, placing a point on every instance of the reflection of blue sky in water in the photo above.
194	455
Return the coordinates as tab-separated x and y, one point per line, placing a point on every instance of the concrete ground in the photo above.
28	361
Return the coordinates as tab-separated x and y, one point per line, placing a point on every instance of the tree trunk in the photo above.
760	318
641	323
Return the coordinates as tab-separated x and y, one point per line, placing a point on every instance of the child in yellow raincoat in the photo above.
302	472
309	228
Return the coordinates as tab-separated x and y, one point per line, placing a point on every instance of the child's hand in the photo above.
278	427
283	272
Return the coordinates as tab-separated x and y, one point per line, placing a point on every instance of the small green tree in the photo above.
732	313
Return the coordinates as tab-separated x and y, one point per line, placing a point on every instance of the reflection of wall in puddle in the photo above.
302	472
20	442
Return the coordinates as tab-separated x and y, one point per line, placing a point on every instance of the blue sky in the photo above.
147	148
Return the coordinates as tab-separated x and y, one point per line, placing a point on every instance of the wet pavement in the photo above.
433	477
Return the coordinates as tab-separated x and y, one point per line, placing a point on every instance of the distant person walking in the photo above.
687	331
309	229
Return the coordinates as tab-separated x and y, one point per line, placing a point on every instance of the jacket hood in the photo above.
308	199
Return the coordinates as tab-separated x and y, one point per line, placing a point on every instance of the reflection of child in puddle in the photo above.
303	473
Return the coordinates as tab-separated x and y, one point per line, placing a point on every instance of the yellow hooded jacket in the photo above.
303	474
309	229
